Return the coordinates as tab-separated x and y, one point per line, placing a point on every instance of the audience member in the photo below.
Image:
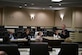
68	40
11	35
26	34
39	36
6	38
65	33
37	33
3	53
56	34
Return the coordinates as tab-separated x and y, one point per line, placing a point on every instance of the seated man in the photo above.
65	33
11	35
3	53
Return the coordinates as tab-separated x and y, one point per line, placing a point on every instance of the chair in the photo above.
10	49
39	48
18	35
69	49
19	30
1	27
21	27
29	27
49	33
32	33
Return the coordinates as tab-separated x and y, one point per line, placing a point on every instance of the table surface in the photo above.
32	39
52	38
14	40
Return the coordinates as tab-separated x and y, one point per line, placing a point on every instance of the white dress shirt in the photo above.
56	36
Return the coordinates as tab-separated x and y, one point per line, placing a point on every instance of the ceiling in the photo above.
40	4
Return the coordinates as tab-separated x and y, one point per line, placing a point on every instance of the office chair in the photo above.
32	33
39	48
21	27
18	35
10	49
49	33
1	27
68	49
29	27
19	30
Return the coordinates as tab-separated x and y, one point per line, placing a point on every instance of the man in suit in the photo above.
65	33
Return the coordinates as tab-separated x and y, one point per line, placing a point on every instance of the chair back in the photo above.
39	48
10	49
69	49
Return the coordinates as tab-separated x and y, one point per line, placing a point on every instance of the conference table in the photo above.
16	40
53	42
52	38
22	42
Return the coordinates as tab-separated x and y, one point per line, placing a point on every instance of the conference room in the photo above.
36	27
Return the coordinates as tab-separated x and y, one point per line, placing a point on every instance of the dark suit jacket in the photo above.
64	36
24	35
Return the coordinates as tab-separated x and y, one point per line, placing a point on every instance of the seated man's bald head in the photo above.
3	53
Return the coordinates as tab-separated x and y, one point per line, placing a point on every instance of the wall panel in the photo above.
15	16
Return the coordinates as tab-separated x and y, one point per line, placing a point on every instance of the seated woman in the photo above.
26	34
39	36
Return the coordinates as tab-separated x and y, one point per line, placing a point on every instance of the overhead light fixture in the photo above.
62	13
32	3
59	4
50	6
20	6
43	8
25	4
61	16
32	16
56	0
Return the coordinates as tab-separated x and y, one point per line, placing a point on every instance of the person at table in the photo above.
56	34
3	53
65	33
11	35
26	34
39	36
41	33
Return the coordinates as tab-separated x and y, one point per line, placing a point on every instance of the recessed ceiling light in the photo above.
20	6
25	4
32	3
59	4
43	8
50	6
56	0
